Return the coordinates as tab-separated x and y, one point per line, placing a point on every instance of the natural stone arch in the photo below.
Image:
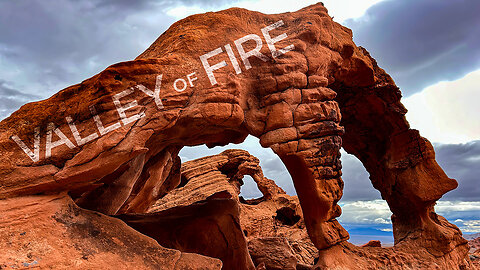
291	102
401	163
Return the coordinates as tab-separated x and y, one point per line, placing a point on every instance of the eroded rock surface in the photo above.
475	251
295	80
51	232
210	227
275	253
272	225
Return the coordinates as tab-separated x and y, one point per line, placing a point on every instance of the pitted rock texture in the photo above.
266	221
112	141
475	251
281	218
210	227
51	232
474	244
273	225
206	176
274	253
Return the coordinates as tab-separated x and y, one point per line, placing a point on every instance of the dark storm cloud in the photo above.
48	45
422	42
461	162
165	3
62	42
11	99
356	179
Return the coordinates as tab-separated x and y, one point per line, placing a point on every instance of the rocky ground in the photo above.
475	250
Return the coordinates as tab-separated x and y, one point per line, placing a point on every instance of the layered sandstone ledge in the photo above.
295	80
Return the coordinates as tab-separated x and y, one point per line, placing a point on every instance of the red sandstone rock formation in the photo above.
295	80
275	253
51	232
210	227
475	251
474	243
272	225
373	243
209	182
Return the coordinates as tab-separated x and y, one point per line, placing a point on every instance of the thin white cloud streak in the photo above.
446	207
470	226
365	212
378	212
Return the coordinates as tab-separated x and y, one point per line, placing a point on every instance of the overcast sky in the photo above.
430	47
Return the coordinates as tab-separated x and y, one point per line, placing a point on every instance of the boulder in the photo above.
373	243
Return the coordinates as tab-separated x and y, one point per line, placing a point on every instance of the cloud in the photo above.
367	220
470	226
447	112
363	233
460	161
365	212
365	215
249	190
462	214
421	42
46	46
447	207
339	9
357	183
342	10
11	99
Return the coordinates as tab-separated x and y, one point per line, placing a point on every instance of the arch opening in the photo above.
272	166
249	189
365	215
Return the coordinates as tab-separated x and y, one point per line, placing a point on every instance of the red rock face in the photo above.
295	80
193	216
51	232
210	227
475	251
